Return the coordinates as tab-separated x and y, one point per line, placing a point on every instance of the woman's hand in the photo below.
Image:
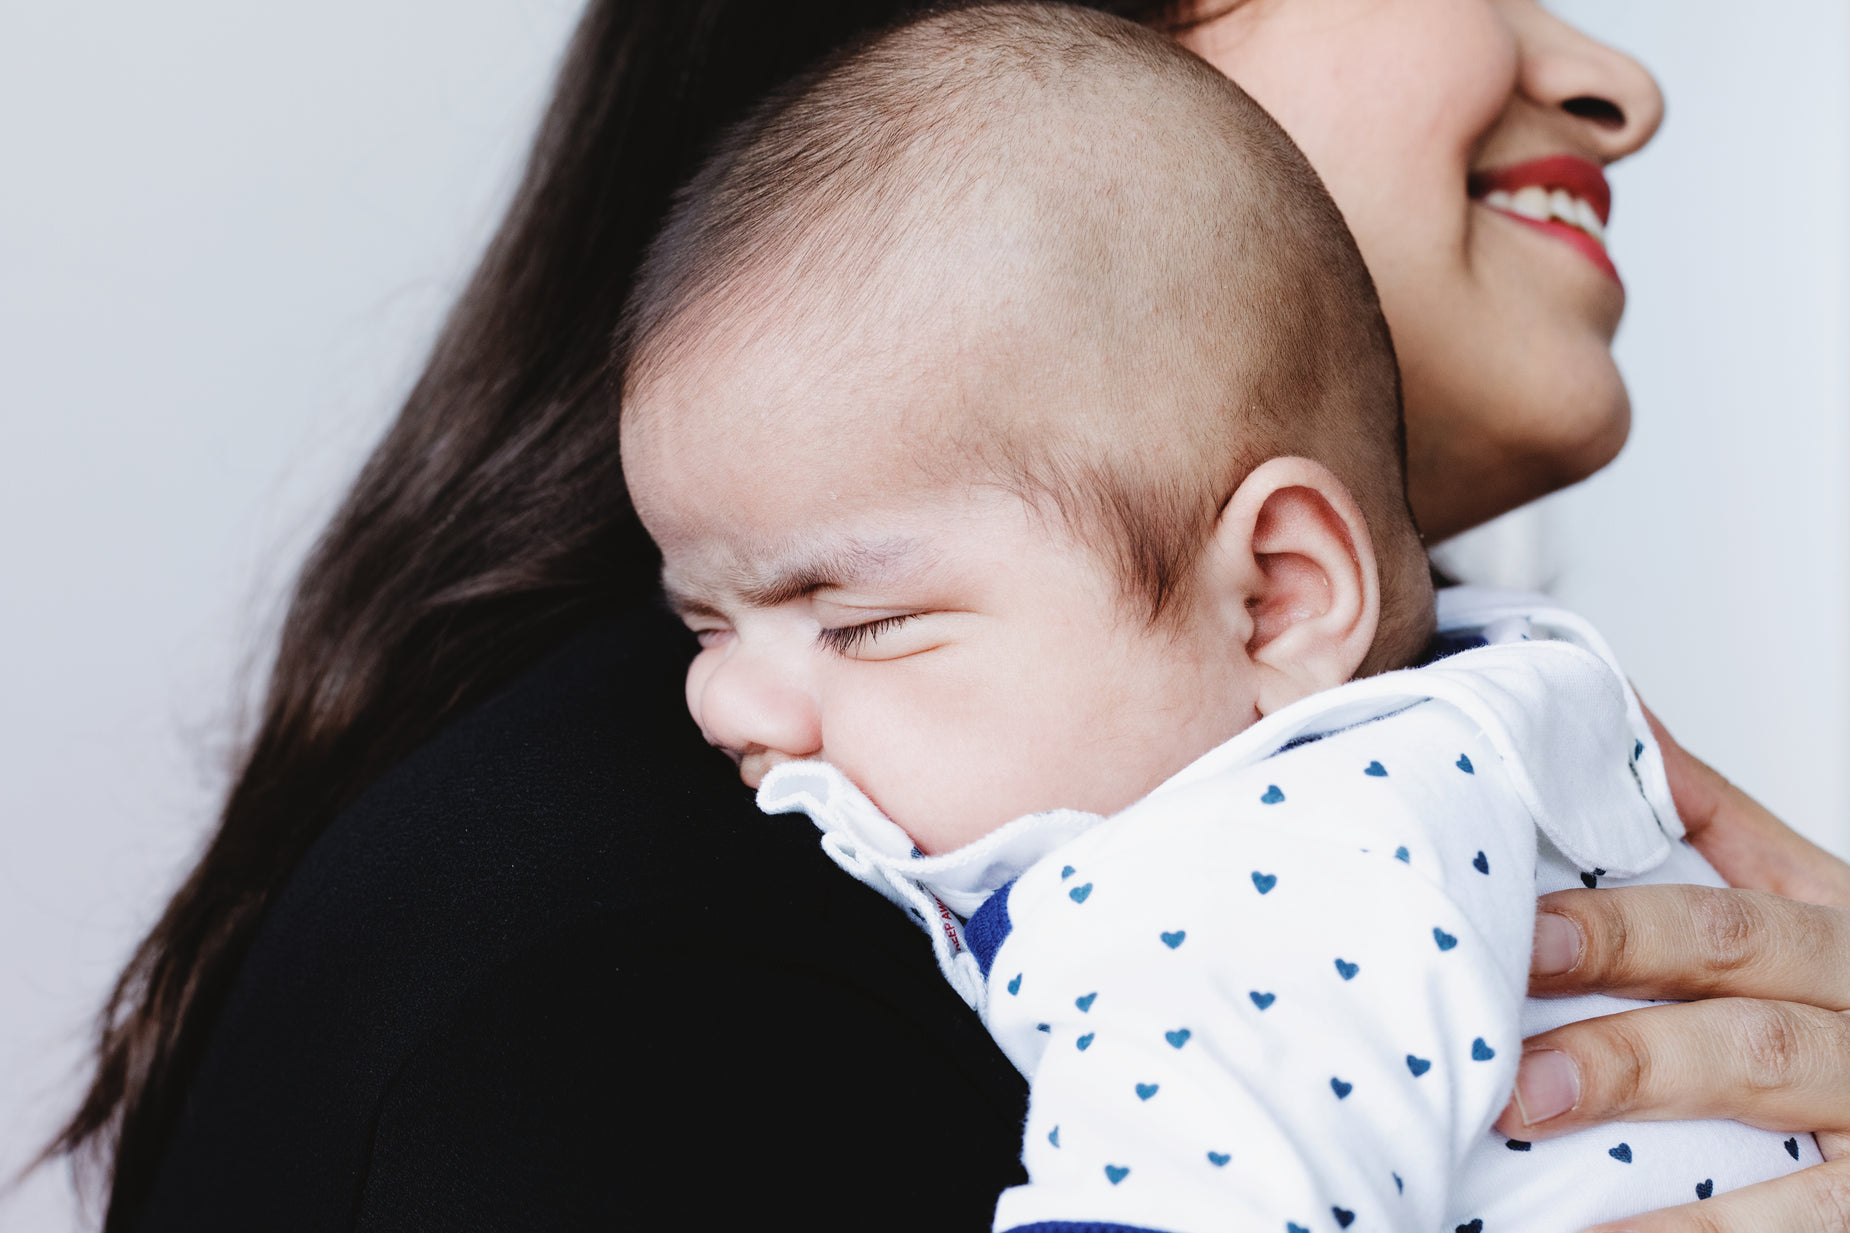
1742	839
1766	1038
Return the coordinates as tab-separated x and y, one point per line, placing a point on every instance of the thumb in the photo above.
1746	843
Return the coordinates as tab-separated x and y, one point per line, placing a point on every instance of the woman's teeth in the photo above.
1542	205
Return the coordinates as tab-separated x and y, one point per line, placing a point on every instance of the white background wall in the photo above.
1715	554
228	230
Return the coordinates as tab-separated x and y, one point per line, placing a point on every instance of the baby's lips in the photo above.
755	764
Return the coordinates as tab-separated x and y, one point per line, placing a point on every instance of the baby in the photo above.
1021	434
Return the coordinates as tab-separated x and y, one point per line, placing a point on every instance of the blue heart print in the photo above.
1375	769
1066	873
1481	1052
1272	795
1341	1089
1295	1228
1418	1065
1637	752
1117	1173
1085	1042
1445	940
1400	1187
1085	1003
1015	985
1175	939
1053	1136
1146	1090
1262	1000
1481	863
1403	856
1264	882
1518	1145
1347	970
1475	1226
1079	893
1792	1148
1621	1153
1178	1038
1344	1217
1219	1159
1464	764
1705	1188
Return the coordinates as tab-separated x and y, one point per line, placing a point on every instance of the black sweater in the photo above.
555	971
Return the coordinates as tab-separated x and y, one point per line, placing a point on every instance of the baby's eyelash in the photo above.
846	639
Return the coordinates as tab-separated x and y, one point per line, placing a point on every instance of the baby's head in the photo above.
1017	422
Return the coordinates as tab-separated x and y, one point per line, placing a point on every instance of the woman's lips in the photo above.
1562	196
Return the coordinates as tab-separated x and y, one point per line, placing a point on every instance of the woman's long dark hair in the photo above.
490	521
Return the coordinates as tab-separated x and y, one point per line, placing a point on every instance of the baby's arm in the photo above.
1233	1017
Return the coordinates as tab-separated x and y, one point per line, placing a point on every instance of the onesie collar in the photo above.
1541	684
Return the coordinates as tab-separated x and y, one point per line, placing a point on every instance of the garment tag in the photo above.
947	920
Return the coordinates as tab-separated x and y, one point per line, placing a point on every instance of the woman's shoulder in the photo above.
581	786
572	838
585	768
638	1070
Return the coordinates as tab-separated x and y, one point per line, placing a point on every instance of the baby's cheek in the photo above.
945	785
1038	758
953	753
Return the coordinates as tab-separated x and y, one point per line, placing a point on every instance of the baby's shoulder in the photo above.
1417	793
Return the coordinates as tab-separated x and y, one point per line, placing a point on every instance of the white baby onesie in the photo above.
1285	991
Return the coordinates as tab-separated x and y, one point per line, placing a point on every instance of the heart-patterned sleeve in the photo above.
1281	999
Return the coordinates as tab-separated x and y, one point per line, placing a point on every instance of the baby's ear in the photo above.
1292	548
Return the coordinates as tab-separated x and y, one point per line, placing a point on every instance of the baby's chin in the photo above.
950	825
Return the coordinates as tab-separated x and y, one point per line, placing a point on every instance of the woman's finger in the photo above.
1690	942
1777	1065
1745	842
1815	1199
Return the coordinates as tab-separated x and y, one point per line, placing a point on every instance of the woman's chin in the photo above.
1462	471
1600	437
1577	416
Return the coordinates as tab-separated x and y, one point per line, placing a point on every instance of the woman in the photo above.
487	938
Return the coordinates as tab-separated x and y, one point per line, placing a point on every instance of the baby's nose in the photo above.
757	709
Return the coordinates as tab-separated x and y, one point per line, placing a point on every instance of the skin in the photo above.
1766	1028
850	608
1503	334
1511	393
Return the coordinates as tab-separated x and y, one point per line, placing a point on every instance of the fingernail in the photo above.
1547	1085
1557	945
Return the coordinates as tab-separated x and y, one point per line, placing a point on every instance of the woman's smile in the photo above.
1562	196
1480	108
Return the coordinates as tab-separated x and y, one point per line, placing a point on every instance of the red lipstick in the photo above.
1578	178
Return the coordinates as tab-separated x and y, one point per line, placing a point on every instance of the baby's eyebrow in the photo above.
685	603
855	562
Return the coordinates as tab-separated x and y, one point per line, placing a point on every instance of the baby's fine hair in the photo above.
1118	215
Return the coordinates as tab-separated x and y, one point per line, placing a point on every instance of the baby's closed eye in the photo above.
709	636
875	639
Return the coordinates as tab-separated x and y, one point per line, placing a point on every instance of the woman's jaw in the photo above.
1443	129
